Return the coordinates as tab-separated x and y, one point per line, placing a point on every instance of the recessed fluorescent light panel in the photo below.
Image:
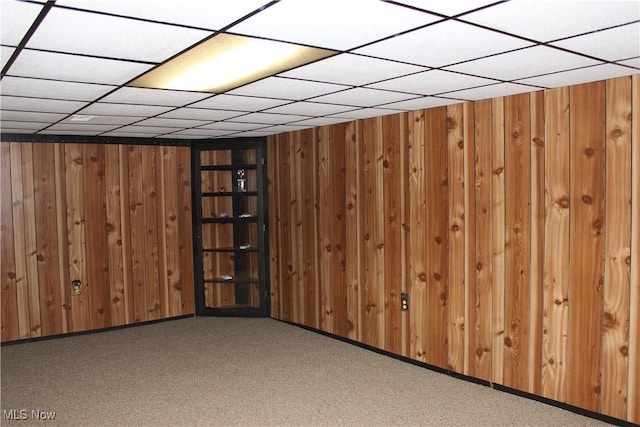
227	61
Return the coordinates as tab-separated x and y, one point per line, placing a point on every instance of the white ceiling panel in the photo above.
554	19
363	97
53	89
339	69
485	92
524	63
255	133
107	109
234	126
24	125
286	128
449	8
104	120
16	18
93	129
58	66
364	113
175	123
130	134
200	114
309	109
200	133
421	103
87	132
147	129
211	14
239	103
144	96
321	121
39	105
265	118
332	24
633	62
5	54
17	130
463	42
432	82
582	75
281	88
598	44
85	33
31	116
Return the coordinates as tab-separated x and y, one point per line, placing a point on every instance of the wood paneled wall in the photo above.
512	223
115	217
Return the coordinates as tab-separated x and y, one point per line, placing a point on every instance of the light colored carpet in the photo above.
236	371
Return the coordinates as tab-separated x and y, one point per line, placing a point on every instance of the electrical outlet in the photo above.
404	301
76	287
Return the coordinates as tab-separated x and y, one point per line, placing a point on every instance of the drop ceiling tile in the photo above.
93	129
332	24
130	134
5	54
17	130
364	113
234	126
19	86
107	109
582	75
147	129
87	132
31	116
632	62
281	88
85	33
212	14
40	105
449	8
627	43
340	69
255	133
144	96
533	19
8	124
363	97
202	133
103	120
58	66
422	103
321	121
443	44
309	109
432	82
16	19
265	118
524	63
174	123
200	114
239	103
285	128
493	91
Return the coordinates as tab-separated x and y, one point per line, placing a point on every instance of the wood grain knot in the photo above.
616	133
455	228
366	237
587	200
78	161
405	226
538	142
437	276
94	159
451	123
350	206
40	257
422	276
596	389
101	310
302	155
479	352
507	342
380	245
338	247
479	266
564	202
385	163
624	350
391	218
498	171
328	248
516	133
461	144
552	362
610	320
438	239
589	152
110	228
115	300
11	275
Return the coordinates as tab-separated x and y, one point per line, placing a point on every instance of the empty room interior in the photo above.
324	212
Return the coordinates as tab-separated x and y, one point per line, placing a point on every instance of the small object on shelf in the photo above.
225	277
244	215
242	182
222	189
223	215
245	246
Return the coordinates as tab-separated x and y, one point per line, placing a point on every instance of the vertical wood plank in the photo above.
295	209
325	229
455	142
125	225
518	239
273	185
172	226
391	213
418	237
337	148
30	240
149	208
537	242
498	230
404	236
161	221
556	246
353	236
47	239
10	323
114	234
136	223
96	235
286	295
615	340
62	238
586	263
484	239
185	231
468	112
633	399
437	235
